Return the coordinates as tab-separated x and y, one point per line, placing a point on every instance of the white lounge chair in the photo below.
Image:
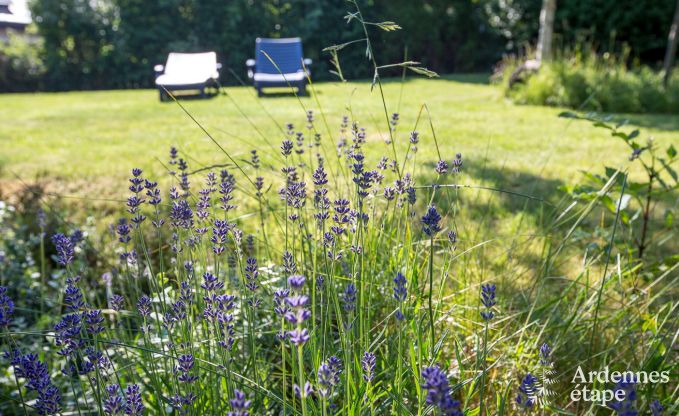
187	71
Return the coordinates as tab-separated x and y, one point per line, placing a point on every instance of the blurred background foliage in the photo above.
106	44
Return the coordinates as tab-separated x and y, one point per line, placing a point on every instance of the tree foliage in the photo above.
115	43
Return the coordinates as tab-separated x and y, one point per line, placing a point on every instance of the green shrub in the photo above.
21	68
597	83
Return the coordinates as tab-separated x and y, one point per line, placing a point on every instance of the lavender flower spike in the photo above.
431	221
6	307
65	249
133	406
368	365
434	380
526	397
488	301
239	404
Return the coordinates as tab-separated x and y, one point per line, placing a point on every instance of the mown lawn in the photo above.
83	144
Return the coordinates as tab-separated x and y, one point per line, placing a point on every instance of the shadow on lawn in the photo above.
514	191
512	216
666	122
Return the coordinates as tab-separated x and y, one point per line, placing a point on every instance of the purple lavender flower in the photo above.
144	306
94	322
434	380
123	231
251	274
173	157
68	333
136	181
259	185
431	221
239	404
133	405
211	285
488	301
226	187
181	214
394	120
184	367
368	366
627	406
225	305
73	297
113	405
220	232
656	408
545	355
286	147
281	307
329	376
441	167
526	397
452	237
289	263
342	216
254	159
297	313
294	194
65	249
134	202
38	380
400	294
307	391
152	192
6	307
349	297
116	302
457	163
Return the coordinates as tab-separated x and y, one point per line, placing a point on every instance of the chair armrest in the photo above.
219	66
159	69
308	62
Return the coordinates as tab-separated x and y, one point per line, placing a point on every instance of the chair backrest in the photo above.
286	53
191	63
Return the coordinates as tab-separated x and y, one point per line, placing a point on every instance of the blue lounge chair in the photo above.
286	68
187	71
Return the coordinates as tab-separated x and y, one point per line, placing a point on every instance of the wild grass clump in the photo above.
592	82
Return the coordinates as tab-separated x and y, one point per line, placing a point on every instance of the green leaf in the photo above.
608	203
610	171
569	114
671	151
602	124
669	219
622	135
669	170
633	134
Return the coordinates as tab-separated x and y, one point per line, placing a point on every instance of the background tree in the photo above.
115	43
671	52
544	49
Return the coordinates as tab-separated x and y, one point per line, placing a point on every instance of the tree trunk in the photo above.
671	51
544	52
